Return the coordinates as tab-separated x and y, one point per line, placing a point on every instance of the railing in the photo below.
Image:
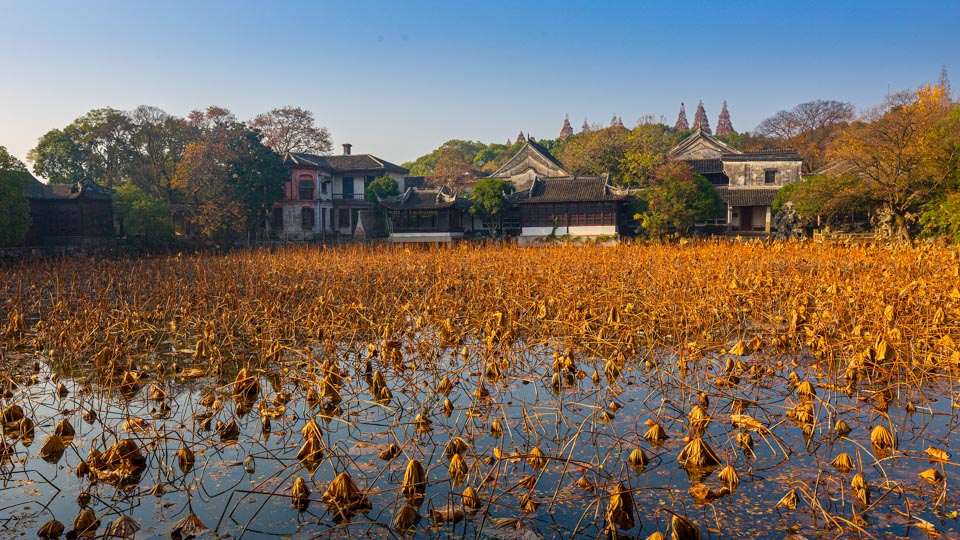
428	229
843	237
349	197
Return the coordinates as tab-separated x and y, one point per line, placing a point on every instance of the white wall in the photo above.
579	230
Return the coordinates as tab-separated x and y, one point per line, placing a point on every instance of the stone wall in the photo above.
752	173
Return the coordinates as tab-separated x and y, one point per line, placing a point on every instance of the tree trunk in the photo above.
902	230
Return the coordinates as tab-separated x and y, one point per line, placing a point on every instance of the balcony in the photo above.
349	197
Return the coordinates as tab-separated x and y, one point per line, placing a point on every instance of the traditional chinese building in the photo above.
426	215
69	214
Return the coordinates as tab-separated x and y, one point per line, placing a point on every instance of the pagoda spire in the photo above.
724	126
567	129
509	142
682	123
521	138
613	121
585	128
700	119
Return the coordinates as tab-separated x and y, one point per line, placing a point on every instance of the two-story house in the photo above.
325	195
747	181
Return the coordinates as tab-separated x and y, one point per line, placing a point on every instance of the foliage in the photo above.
943	218
905	155
9	162
59	156
833	198
489	200
647	147
159	141
598	152
381	188
142	215
14	207
678	199
809	127
292	129
426	164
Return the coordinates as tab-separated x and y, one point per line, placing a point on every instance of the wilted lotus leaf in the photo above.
740	349
345	497
655	435
62	390
937	454
444	387
185	459
329	392
414	482
24	430
611	371
300	494
806	391
728	475
188	526
841	428
422	423
789	501
536	459
390	452
458	468
311	429
528	482
697	454
620	508
481	392
744	421
157	393
698	420
683	529
135	424
311	452
860	489
447	407
50	530
745	442
52	449
657	535
606	416
843	463
702	493
496	429
528	505
406	519
932	476
492	372
448	513
470	499
82	470
86	523
122	463
456	445
228	432
130	383
11	414
638	459
802	413
246	387
585	484
882	440
123	527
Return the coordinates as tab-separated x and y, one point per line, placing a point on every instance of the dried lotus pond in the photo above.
705	390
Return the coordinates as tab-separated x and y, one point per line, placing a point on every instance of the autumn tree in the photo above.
810	128
158	141
646	152
597	152
905	155
454	168
292	129
9	162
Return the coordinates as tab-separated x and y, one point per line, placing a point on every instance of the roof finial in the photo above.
567	129
585	128
521	138
682	123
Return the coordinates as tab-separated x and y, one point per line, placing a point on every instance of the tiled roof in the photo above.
86	188
782	154
517	158
353	162
747	196
424	199
699	136
705	166
569	189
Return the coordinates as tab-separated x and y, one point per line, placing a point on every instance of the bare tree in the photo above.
809	127
292	129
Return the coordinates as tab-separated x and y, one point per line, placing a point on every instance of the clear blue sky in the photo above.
398	78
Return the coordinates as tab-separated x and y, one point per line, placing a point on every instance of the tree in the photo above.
9	162
292	129
59	156
597	152
381	188
678	199
454	168
809	127
646	151
158	142
906	155
832	198
14	207
142	215
227	176
490	202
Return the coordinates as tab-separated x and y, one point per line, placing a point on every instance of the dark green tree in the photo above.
9	162
489	197
59	156
142	215
14	207
678	199
381	188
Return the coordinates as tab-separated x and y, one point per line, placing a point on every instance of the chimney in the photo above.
346	149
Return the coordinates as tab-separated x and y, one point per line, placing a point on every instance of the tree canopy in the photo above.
292	129
489	201
9	162
677	199
14	207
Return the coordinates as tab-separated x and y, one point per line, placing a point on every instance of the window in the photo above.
770	176
307	219
347	189
323	185
367	181
278	218
306	189
343	218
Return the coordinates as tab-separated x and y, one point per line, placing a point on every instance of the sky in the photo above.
397	78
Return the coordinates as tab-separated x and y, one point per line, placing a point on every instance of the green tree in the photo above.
678	199
381	188
14	207
489	197
59	156
143	215
9	162
646	151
